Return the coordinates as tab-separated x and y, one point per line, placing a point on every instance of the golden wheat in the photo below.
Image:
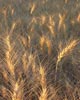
38	41
67	50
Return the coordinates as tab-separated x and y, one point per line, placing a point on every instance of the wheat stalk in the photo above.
43	94
8	55
66	51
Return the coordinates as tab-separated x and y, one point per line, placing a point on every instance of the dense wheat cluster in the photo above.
39	49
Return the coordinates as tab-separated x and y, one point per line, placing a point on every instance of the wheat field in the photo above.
39	49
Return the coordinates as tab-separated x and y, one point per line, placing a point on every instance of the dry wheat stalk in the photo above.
43	94
66	51
8	55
